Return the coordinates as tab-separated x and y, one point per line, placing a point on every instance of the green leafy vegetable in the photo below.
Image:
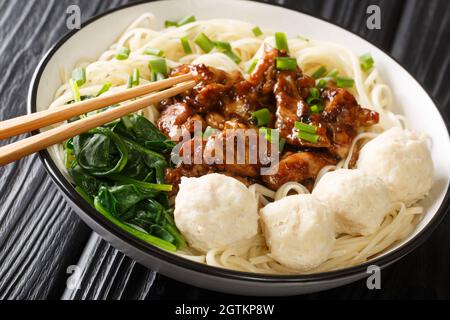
100	152
118	169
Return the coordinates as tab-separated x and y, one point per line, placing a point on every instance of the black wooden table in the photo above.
40	235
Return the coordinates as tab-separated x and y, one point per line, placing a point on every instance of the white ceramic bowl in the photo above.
411	100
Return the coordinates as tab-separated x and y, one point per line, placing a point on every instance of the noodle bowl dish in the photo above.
294	164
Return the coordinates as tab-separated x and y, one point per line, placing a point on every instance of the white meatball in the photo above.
359	201
215	211
299	231
400	158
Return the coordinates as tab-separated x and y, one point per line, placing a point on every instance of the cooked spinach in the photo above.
119	169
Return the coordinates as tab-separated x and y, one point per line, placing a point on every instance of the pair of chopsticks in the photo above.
28	123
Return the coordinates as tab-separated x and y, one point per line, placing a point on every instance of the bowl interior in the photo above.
410	98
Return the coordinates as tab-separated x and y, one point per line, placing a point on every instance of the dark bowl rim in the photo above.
69	191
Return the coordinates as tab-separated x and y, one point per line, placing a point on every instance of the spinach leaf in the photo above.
151	158
100	152
141	130
88	183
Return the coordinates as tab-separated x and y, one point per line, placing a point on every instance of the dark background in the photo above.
40	236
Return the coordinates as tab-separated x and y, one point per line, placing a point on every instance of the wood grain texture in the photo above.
40	236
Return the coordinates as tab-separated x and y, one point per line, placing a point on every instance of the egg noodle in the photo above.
371	92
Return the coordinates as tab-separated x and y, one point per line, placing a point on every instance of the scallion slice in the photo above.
333	73
186	46
344	82
314	92
285	63
367	62
168	24
223	45
261	117
233	56
322	83
310	137
209	131
281	41
304	127
135	79
75	90
104	89
186	20
123	53
158	65
204	42
154	52
79	76
315	109
157	76
319	73
257	31
252	66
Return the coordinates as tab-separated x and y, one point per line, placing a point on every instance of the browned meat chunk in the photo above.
297	167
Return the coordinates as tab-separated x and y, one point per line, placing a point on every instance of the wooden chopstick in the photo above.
42	119
22	148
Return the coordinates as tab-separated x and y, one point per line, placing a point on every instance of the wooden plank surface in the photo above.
40	236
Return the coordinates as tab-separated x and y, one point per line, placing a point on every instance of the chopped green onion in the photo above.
252	66
225	48
158	65
304	127
315	109
223	45
134	78
333	73
204	42
314	92
154	52
209	131
285	63
104	89
319	72
75	90
257	31
343	82
233	56
261	117
367	62
310	137
267	133
79	76
186	20
186	46
313	100
281	41
322	83
168	24
156	77
123	53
